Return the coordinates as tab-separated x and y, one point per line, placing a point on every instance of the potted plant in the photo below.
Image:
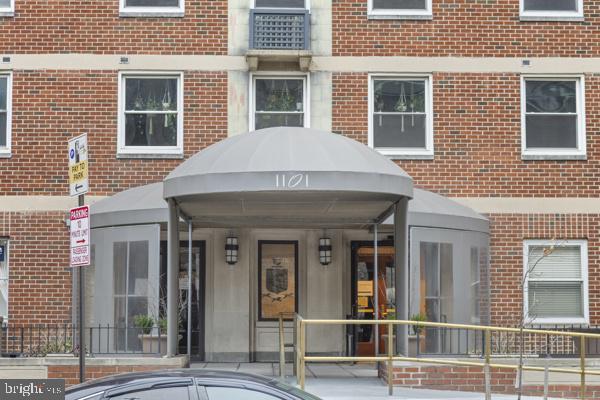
153	340
416	337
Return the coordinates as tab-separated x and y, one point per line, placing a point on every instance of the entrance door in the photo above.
364	285
198	295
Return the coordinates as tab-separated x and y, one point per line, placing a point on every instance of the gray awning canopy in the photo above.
287	177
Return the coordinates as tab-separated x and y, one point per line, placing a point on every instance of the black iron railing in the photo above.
42	340
279	29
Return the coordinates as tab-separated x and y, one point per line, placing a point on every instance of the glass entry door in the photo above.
364	285
197	295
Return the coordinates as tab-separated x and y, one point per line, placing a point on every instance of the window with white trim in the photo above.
400	116
556	286
553	116
151	114
7	8
158	8
5	113
281	4
399	8
4	278
551	9
278	101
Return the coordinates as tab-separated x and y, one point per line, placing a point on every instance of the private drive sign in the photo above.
80	236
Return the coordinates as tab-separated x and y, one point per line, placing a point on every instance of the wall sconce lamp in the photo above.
231	250
325	250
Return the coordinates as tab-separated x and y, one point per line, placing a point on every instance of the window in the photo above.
5	114
553	122
475	285
168	393
414	9
7	8
156	8
281	4
401	118
151	115
278	278
551	9
279	101
556	288
229	393
131	290
4	278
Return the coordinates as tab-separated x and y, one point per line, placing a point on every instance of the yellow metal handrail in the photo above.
302	358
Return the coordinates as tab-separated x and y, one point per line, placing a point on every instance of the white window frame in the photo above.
291	75
5	152
8	11
306	6
399	13
550	15
555	153
149	151
404	152
6	242
151	11
582	244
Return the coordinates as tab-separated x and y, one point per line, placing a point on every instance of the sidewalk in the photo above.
350	382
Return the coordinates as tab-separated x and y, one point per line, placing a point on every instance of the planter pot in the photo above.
60	355
413	342
151	343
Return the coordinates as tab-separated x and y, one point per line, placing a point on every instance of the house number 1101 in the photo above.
290	181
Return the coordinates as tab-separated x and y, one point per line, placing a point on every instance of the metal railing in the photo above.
486	332
39	340
279	29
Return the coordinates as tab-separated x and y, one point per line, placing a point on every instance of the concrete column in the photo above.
172	279
401	260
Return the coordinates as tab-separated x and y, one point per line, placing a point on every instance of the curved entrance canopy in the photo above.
292	177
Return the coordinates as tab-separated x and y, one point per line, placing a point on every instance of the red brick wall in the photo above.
39	277
477	138
67	26
49	107
463	28
471	379
70	373
506	267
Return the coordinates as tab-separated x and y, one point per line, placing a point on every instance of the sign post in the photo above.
80	227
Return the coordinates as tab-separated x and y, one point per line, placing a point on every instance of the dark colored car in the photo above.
186	384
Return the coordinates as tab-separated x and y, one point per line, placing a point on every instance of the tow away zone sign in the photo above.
80	236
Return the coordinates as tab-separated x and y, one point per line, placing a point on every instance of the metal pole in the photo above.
376	288
486	368
81	315
582	366
390	363
189	299
172	279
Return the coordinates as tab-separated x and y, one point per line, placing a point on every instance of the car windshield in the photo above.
295	391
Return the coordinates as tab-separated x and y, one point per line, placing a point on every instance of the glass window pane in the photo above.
152	3
271	120
151	130
135	306
555	299
3	91
555	263
429	269
120	331
151	94
279	95
551	131
280	3
3	127
400	4
550	5
399	96
5	3
4	298
119	268
171	393
551	96
138	268
227	393
399	130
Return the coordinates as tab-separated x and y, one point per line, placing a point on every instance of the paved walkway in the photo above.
349	382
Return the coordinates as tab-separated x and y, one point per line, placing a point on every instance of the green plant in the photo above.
162	325
144	322
417	328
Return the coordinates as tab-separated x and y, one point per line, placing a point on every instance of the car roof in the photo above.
156	377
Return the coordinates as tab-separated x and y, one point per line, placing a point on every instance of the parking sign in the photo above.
80	236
